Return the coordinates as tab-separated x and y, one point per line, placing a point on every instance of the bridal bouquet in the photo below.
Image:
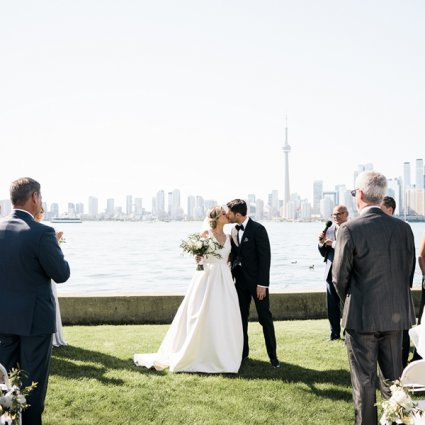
400	408
197	244
13	399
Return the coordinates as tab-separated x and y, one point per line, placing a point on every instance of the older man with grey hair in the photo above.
372	272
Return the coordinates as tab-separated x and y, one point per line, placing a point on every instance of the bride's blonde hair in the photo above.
213	216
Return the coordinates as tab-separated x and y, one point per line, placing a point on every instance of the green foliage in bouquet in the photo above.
14	400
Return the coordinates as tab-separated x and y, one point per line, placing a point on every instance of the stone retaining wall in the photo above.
159	308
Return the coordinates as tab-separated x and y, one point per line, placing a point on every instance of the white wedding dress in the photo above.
417	334
206	333
58	336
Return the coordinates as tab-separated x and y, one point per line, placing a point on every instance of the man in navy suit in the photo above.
30	257
251	270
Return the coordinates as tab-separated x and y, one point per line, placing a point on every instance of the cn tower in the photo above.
286	149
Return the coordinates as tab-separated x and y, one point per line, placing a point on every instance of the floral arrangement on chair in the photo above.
400	408
13	397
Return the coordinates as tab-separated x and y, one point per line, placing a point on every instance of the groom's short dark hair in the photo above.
238	206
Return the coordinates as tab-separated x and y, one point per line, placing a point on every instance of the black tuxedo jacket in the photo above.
327	252
30	257
253	254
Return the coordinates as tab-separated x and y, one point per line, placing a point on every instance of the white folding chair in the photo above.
413	377
4	388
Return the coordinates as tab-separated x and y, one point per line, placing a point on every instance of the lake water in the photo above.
144	257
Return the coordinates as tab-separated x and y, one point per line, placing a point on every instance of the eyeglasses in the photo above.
338	214
353	192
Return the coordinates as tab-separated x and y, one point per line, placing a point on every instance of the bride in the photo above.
58	338
206	333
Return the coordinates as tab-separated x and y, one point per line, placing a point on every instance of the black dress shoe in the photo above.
275	363
333	338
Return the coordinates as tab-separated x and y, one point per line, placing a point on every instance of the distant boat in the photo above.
66	219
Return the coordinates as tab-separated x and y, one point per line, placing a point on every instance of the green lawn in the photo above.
93	381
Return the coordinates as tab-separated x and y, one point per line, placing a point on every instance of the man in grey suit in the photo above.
30	257
373	269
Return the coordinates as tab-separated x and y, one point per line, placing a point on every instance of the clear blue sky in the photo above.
128	97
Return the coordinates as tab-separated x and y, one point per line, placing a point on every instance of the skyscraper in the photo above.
317	196
93	205
405	187
191	202
138	206
129	204
160	204
419	174
286	149
394	191
110	206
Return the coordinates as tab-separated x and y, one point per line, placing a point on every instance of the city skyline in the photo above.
131	97
408	191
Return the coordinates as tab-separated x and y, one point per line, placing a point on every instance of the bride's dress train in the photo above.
206	333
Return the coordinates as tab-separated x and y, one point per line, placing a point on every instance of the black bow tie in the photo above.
239	227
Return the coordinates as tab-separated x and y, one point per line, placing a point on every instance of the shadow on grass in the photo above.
75	363
292	373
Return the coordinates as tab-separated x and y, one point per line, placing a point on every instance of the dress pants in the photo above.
334	310
365	352
265	318
33	353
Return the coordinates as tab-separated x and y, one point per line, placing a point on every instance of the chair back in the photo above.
413	376
4	378
4	387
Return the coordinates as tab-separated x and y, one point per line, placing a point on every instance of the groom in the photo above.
251	271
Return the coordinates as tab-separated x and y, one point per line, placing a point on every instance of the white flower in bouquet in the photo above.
203	246
6	401
400	397
211	244
400	407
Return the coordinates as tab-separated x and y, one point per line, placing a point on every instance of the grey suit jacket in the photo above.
373	271
30	257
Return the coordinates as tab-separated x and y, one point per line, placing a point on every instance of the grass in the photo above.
93	381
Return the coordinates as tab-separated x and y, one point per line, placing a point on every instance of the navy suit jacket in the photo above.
30	257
